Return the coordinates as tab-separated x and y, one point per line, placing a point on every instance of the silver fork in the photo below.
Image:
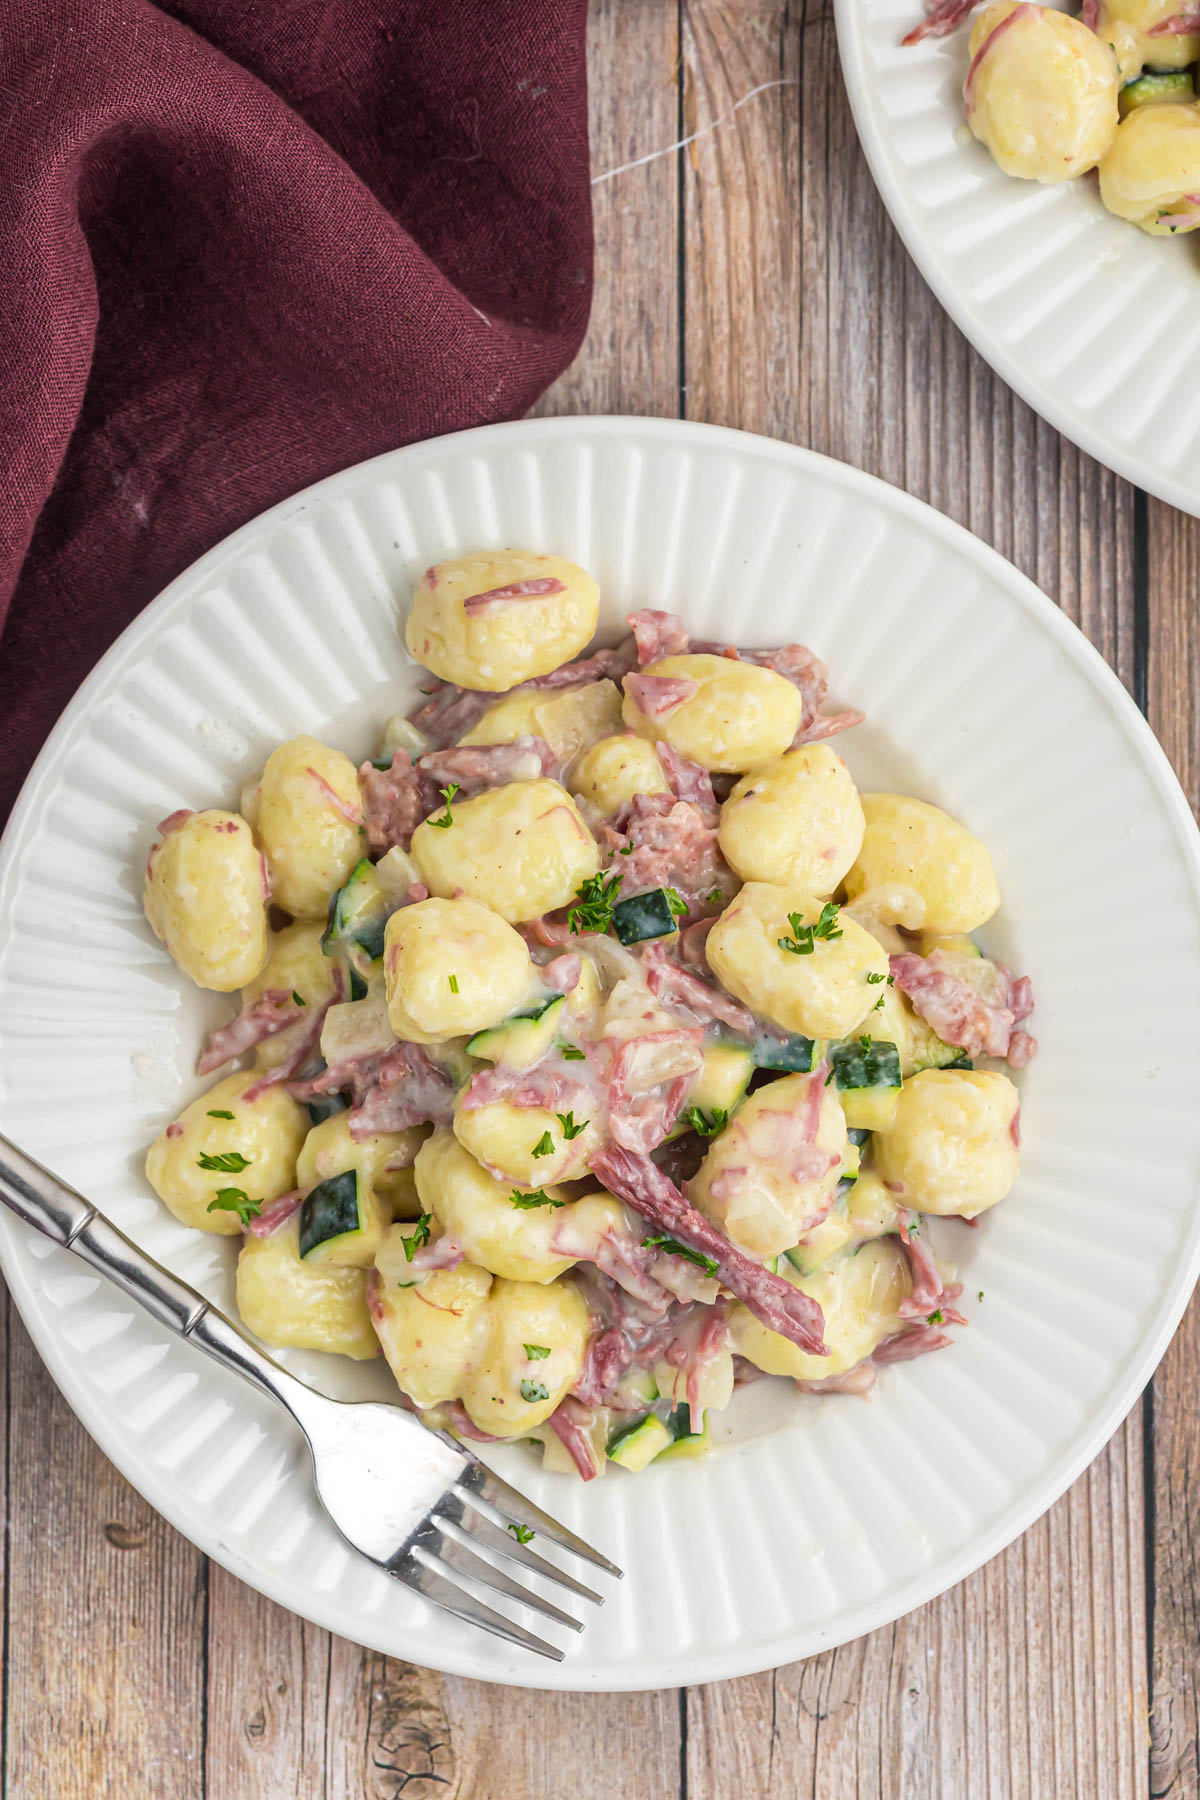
413	1501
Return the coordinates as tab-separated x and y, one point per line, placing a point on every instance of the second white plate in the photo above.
1092	322
822	1518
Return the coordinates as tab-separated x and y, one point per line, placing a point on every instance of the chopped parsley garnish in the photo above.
626	849
873	977
865	1040
298	998
418	1236
536	1197
570	1053
447	793
218	1113
534	1390
536	1352
592	909
453	980
544	1145
234	1200
804	937
713	895
877	1004
936	1318
569	1128
676	902
522	1533
981	1293
705	1124
230	1162
914	1229
673	1247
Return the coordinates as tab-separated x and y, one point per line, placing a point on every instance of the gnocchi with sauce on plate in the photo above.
1053	96
601	1047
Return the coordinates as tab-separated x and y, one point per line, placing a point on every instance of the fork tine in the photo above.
499	1502
452	1548
480	1526
446	1592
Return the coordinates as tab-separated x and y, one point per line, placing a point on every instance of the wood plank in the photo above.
804	318
105	1616
268	1677
1174	657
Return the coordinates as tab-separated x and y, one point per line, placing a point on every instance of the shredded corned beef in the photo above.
304	1043
918	1340
929	1295
550	1085
475	767
275	1213
562	973
1180	24
658	634
688	780
395	801
392	1090
173	821
451	712
696	1001
648	1085
273	1011
655	840
780	1306
941	18
658	696
570	1422
980	1024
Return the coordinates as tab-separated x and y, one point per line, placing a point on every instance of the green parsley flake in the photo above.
447	794
298	998
418	1236
536	1352
804	937
873	977
569	1128
453	980
714	896
676	902
217	1113
522	1533
536	1197
592	909
705	1124
570	1053
936	1318
981	1293
544	1145
534	1390
674	1248
235	1200
230	1162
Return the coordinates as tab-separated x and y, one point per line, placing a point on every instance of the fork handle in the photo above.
69	1220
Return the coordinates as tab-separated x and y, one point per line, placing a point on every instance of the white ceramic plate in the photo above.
1091	321
820	1519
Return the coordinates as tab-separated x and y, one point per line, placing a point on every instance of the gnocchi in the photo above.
560	1111
1041	93
205	898
500	617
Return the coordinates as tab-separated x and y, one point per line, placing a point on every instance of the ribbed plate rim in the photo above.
687	1669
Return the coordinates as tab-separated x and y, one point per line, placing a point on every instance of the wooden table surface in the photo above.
751	279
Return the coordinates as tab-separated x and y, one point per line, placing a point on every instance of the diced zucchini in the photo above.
958	943
1152	88
637	1387
790	1052
342	1222
870	1109
524	1039
644	916
323	1107
686	1441
639	1444
358	915
865	1063
723	1080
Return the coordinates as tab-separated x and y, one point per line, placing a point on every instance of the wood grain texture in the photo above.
1173	705
105	1612
751	279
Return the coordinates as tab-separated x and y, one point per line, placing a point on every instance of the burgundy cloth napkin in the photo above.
244	243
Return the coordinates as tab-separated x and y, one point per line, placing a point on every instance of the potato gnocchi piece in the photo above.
302	1305
527	1145
865	1211
206	900
295	964
920	868
1041	92
825	994
1127	25
955	1145
614	770
431	1331
1150	173
255	1151
495	619
797	821
521	849
860	1296
512	1388
738	716
771	1175
309	823
477	1211
569	720
384	1158
453	967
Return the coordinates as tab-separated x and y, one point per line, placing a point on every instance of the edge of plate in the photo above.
921	1590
